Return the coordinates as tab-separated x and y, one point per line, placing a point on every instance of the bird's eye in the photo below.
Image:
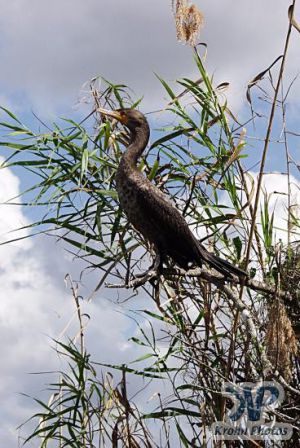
123	116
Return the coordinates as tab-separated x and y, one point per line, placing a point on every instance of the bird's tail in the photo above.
224	267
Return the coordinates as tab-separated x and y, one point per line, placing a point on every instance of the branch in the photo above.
218	280
205	274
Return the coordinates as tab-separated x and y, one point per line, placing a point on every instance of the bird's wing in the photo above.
174	235
160	211
171	228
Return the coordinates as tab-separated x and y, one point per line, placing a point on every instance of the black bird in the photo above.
151	212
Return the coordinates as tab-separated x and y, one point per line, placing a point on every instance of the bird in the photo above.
151	212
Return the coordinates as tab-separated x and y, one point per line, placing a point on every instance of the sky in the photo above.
48	51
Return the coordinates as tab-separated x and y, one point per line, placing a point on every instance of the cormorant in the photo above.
150	211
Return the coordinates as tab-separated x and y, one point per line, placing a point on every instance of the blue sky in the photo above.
48	51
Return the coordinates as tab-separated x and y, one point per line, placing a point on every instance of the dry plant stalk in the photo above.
281	340
189	21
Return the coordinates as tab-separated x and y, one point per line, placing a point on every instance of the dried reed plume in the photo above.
281	340
189	21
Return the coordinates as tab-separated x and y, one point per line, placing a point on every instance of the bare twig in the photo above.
268	134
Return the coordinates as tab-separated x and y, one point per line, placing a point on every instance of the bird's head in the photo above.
131	118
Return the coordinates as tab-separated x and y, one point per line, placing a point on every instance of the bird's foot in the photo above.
151	275
156	267
139	280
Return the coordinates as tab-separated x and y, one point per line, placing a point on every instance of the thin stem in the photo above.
268	134
288	161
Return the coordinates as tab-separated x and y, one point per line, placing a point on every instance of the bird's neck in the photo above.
139	138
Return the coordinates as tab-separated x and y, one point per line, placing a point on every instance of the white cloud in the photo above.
275	185
35	307
11	216
48	50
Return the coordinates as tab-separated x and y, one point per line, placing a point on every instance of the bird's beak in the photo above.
114	114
